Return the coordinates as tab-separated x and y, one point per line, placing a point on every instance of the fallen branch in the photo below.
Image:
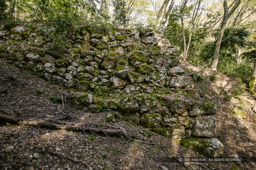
8	119
91	128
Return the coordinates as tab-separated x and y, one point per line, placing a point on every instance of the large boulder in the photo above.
205	126
178	105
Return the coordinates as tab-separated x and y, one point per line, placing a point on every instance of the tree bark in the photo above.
169	11
161	13
225	18
254	72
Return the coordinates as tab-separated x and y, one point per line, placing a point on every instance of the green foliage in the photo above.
234	37
3	7
174	31
120	11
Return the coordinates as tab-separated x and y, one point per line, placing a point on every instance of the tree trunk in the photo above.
169	11
184	39
161	13
239	56
217	48
254	72
225	18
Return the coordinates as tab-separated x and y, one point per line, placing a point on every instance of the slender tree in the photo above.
193	22
228	11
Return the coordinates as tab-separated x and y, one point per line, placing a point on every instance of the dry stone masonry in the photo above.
125	73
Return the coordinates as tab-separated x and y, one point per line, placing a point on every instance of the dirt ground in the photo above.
27	97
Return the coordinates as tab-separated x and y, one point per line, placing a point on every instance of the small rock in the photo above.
50	68
68	76
36	155
117	82
33	56
90	98
164	168
9	148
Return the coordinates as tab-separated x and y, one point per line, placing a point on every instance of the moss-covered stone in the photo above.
135	77
47	59
83	85
137	57
129	105
206	147
121	37
102	46
96	108
183	120
29	67
113	105
102	90
151	120
162	131
143	69
147	104
155	50
110	117
109	61
64	62
133	118
81	100
122	62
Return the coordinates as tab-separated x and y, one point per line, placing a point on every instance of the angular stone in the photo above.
131	88
19	29
94	41
107	64
195	111
205	126
135	77
183	120
50	67
147	104
33	56
119	50
179	81
149	40
129	105
178	132
178	105
61	71
83	85
172	62
68	76
117	82
151	120
170	120
176	70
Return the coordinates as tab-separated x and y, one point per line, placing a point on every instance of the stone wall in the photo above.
129	73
